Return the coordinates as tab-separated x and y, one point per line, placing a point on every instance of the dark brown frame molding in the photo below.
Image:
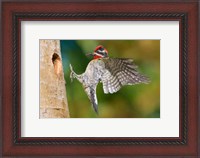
187	144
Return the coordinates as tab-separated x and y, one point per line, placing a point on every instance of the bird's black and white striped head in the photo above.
100	52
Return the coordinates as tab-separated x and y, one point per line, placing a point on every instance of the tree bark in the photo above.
53	99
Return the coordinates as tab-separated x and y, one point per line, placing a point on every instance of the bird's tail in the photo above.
91	93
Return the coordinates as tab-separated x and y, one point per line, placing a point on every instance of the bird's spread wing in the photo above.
91	92
120	72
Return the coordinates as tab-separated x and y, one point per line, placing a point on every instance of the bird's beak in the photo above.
90	54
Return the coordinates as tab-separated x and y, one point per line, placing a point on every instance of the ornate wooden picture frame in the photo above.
187	144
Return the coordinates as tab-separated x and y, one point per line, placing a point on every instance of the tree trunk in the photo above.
53	99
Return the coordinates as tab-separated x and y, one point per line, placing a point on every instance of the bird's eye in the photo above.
101	48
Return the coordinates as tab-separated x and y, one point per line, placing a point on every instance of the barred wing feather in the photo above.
120	72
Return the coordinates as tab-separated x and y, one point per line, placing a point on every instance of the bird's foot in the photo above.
72	75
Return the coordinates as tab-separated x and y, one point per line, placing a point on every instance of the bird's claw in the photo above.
70	66
71	76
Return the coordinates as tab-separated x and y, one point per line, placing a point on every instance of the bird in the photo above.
113	73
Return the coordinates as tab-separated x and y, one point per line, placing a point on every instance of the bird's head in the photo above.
99	52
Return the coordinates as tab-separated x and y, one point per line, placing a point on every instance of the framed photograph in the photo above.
100	79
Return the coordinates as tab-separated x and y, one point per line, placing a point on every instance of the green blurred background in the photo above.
138	101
